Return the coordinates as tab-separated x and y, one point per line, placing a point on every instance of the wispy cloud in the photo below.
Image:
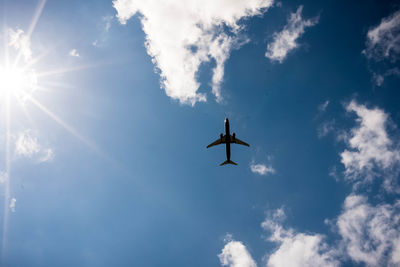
296	249
286	40
47	155
74	53
27	145
202	37
323	106
12	204
380	78
105	27
107	21
367	234
261	169
235	254
3	177
370	234
325	128
383	40
369	145
21	42
383	44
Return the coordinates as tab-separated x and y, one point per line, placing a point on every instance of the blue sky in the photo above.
107	107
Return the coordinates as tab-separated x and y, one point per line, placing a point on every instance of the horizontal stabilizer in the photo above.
228	162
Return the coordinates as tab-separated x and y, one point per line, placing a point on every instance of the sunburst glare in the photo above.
19	80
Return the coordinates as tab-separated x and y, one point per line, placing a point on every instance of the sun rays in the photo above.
18	83
21	76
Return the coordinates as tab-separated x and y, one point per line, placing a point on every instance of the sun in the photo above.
19	75
17	82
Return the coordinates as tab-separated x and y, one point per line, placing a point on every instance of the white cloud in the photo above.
182	35
383	41
235	254
105	27
369	145
27	145
12	204
261	169
367	234
334	174
107	20
323	106
296	249
74	53
47	155
20	42
285	41
380	78
370	234
3	177
325	128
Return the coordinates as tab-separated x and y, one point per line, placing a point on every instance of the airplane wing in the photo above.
217	142
239	142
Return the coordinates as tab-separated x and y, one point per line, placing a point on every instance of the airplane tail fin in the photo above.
228	162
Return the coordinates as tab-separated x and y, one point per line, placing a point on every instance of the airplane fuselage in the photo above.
227	139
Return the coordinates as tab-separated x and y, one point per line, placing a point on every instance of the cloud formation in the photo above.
12	204
369	145
21	42
107	20
182	35
261	169
383	44
367	234
296	249
235	254
370	234
286	40
325	128
383	41
46	155
3	177
74	53
105	27
323	106
27	145
380	78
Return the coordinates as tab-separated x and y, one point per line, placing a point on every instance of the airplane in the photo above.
228	139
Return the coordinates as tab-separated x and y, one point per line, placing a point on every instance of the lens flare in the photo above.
17	82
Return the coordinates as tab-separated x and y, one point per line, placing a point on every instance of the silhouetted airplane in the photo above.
228	139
